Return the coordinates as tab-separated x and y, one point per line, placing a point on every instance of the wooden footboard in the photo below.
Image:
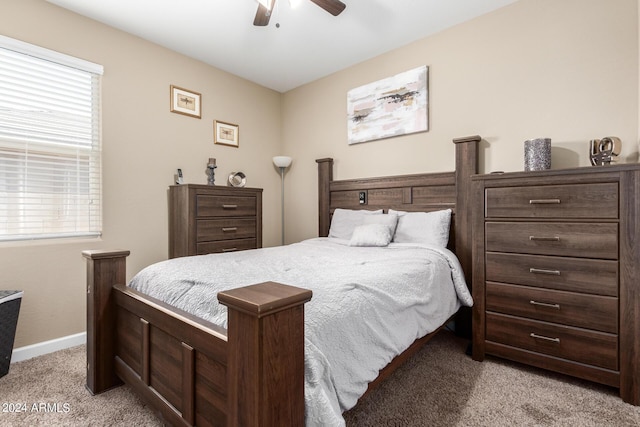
191	371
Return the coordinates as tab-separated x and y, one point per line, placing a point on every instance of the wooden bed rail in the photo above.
191	371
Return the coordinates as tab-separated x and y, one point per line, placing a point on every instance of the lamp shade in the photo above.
282	161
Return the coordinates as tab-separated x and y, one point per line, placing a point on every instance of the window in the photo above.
50	178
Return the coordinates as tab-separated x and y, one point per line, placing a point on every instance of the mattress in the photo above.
369	304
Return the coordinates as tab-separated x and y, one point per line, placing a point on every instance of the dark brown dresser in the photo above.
207	219
556	272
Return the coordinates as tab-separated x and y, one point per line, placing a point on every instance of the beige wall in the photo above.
563	69
143	144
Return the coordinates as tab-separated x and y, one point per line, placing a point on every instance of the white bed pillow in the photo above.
430	228
371	235
376	230
390	220
344	221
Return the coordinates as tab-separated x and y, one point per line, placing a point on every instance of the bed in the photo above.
250	370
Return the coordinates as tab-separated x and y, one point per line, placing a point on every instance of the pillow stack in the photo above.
374	228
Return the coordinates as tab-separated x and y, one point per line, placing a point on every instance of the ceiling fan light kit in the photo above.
265	7
268	4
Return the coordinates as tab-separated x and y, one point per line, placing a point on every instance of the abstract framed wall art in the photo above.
185	102
393	106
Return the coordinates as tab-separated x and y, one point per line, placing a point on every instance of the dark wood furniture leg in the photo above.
466	165
325	177
104	269
266	390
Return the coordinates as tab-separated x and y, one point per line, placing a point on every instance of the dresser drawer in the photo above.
226	246
224	206
585	240
568	308
213	218
593	276
581	345
225	229
553	201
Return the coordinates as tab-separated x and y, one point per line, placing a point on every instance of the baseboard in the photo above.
45	347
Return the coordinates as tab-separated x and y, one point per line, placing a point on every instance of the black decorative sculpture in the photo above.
211	171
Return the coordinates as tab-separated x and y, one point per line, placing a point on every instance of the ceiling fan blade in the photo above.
262	16
334	7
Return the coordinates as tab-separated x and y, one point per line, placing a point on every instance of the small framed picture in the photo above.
185	102
226	133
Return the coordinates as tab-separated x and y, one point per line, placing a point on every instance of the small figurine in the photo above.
604	151
211	171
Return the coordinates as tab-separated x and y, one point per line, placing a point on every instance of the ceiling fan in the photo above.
334	7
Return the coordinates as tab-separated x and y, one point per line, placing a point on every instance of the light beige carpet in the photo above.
440	386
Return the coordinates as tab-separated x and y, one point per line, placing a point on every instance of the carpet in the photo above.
439	386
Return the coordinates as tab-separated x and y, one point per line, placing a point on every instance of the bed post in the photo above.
466	165
325	176
104	269
265	359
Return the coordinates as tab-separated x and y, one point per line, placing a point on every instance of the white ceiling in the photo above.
309	44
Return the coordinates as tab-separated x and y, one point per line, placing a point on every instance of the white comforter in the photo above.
369	304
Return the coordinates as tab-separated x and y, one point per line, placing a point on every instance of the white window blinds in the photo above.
50	179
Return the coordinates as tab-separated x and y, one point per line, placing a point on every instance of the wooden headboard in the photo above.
417	192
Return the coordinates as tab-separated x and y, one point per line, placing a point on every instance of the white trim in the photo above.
46	347
45	236
50	55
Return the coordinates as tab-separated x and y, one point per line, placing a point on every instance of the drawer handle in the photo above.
542	337
545	304
543	271
225	229
229	249
544	201
229	206
545	239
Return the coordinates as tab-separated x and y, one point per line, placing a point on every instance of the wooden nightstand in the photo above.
208	219
556	268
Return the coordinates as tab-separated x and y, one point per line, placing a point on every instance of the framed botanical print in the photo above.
226	133
185	102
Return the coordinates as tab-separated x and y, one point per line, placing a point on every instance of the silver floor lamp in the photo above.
282	162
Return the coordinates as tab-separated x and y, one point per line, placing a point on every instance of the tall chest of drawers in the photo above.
556	272
209	219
